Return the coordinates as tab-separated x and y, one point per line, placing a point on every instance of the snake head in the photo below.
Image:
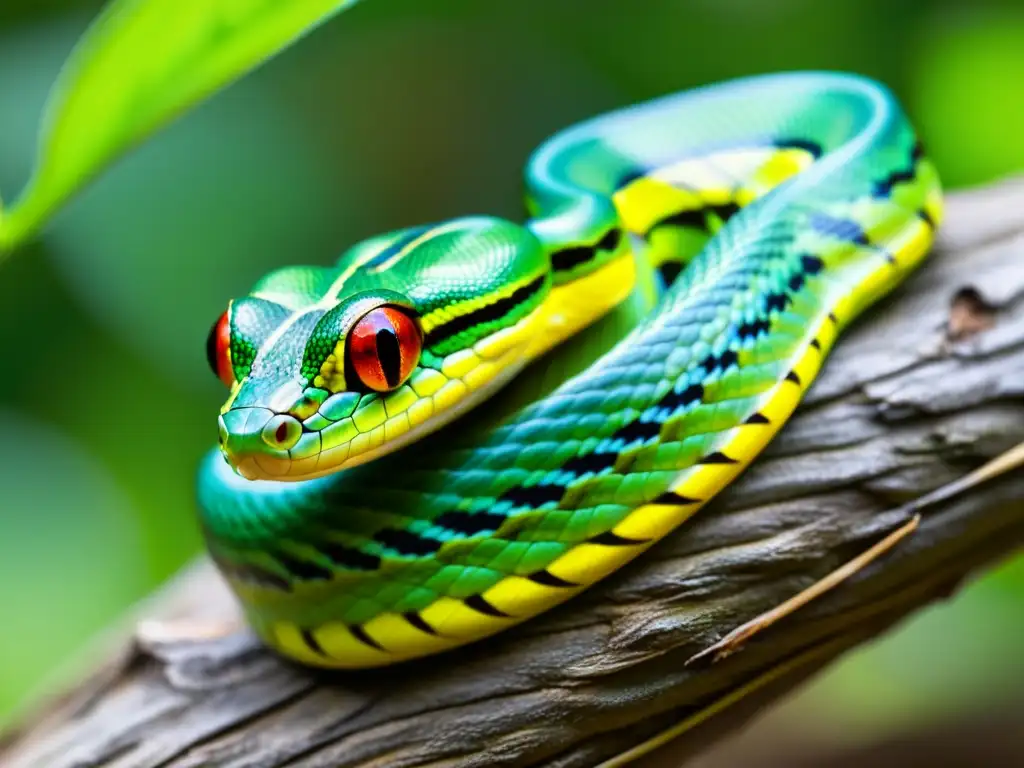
332	367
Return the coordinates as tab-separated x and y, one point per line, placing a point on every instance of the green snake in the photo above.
460	425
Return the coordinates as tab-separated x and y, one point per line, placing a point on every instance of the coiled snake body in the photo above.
702	251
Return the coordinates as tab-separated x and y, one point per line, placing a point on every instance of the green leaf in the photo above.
140	64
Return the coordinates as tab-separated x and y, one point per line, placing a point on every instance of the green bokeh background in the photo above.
395	113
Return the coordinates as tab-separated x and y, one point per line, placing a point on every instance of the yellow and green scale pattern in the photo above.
766	213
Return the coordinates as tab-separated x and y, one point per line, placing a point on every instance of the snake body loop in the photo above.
613	364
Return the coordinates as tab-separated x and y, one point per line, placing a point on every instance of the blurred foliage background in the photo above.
396	113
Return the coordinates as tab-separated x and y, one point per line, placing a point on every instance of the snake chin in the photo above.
246	468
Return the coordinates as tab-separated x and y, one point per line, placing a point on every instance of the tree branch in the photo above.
925	389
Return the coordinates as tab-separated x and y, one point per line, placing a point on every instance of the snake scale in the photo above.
458	426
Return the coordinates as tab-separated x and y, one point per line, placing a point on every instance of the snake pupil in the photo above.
390	356
282	432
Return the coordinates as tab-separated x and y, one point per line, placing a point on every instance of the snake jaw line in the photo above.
351	429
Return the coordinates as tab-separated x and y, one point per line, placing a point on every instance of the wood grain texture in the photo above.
926	388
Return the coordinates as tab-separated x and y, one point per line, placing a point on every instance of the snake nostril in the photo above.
282	432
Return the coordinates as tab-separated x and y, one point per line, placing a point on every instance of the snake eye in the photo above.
218	350
383	348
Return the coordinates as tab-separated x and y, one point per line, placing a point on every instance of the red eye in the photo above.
218	350
383	348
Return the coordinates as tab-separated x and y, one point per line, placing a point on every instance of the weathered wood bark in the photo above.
919	393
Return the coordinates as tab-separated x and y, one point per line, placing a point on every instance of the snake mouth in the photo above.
257	442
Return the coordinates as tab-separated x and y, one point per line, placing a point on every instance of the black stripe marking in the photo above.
611	539
565	259
755	329
361	635
717	458
692	394
926	218
724	361
776	302
792	376
808	146
669	271
696	218
645	430
725	211
548	579
469	523
406	542
312	643
692	219
811	264
414	618
758	418
303	569
884	187
833	318
611	240
396	246
349	557
534	495
479	604
674	499
816	344
491	312
639	430
590	462
389	356
844	229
